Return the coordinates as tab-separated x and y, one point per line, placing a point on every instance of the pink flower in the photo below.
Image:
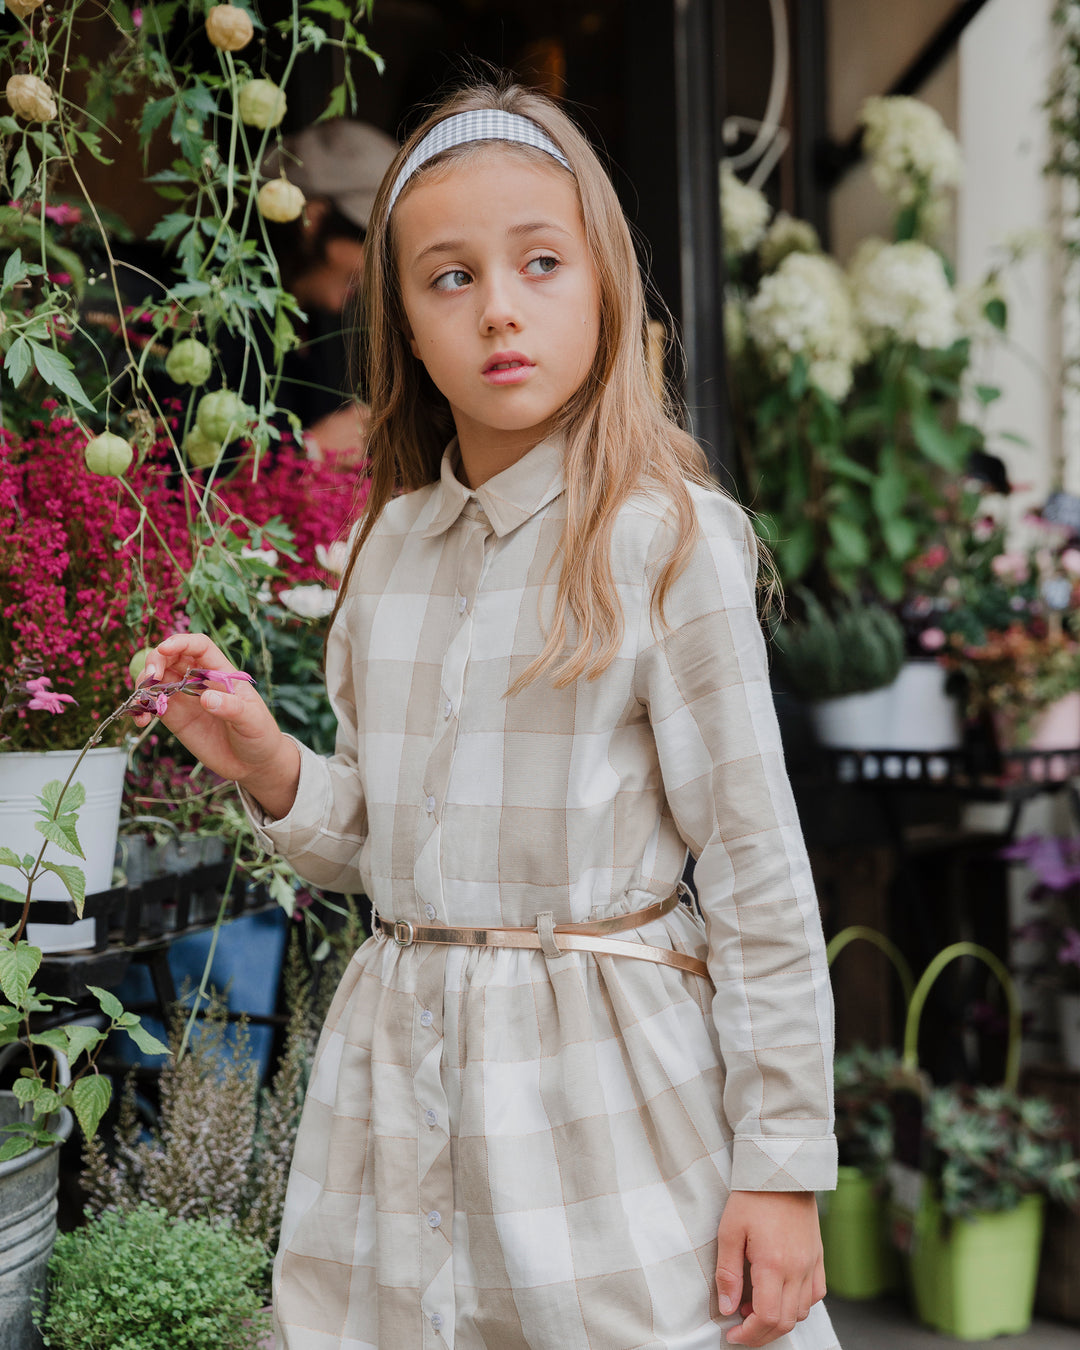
1010	566
935	557
45	699
59	278
983	529
1070	560
136	17
200	678
932	639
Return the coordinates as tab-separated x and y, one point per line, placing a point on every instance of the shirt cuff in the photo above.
778	1164
295	831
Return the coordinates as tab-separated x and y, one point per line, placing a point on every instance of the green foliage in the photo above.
146	1281
987	1147
864	1122
858	649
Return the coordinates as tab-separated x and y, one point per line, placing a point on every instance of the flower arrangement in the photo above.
998	609
1055	862
82	587
845	382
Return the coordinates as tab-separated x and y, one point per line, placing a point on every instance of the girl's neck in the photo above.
482	457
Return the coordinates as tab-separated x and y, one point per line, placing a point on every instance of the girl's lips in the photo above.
508	368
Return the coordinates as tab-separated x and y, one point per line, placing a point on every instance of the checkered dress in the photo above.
500	1149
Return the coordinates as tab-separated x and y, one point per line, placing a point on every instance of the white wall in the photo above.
1006	62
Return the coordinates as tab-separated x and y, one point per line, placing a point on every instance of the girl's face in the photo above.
500	296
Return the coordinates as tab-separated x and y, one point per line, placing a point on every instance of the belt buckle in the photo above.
402	933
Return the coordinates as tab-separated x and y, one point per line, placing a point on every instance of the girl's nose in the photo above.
497	310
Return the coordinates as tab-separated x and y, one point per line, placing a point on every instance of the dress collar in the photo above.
509	498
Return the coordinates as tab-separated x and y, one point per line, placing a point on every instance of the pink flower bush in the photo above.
81	586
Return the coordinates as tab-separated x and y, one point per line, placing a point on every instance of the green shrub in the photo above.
858	649
145	1281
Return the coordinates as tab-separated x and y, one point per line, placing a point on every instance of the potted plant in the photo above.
991	1159
144	1280
844	664
860	1261
846	382
1054	861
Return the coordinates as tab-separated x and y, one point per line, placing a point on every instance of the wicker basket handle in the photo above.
922	989
859	931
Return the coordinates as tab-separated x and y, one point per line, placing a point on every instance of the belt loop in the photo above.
545	927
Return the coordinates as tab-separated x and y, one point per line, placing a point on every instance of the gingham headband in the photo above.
484	124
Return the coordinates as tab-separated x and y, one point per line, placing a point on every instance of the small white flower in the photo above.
902	292
310	602
785	235
912	153
334	558
744	213
804	307
263	555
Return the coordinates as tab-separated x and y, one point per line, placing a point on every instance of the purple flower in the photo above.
200	679
1069	952
44	699
1055	861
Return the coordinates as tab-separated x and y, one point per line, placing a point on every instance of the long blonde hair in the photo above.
620	435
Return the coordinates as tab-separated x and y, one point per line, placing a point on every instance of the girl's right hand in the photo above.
233	734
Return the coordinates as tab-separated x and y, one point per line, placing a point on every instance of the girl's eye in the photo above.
452	281
541	267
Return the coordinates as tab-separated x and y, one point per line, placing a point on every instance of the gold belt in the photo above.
553	939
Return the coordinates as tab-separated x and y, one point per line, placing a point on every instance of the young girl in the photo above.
552	1107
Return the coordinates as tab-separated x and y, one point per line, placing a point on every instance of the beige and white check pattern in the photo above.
500	1149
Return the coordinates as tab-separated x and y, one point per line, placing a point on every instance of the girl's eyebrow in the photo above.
515	231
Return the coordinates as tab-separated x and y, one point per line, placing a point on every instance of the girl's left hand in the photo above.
774	1235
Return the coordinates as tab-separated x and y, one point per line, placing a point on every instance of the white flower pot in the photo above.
856	721
912	713
925	717
23	774
1068	1014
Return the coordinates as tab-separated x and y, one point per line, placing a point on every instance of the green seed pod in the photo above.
138	663
262	104
201	450
280	200
108	454
222	416
189	362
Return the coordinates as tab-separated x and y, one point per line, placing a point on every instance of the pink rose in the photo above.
932	639
1009	566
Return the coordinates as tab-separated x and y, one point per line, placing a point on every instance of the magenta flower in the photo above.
44	699
1069	952
932	639
136	18
200	679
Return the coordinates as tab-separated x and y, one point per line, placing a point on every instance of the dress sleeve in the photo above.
703	675
324	832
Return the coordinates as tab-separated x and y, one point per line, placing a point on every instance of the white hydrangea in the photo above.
785	235
744	213
901	292
804	307
912	152
334	558
310	601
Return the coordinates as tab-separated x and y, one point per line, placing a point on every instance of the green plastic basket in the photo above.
973	1278
860	1259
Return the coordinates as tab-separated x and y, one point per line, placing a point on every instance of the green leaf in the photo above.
987	393
9	858
109	1004
90	1097
907	223
170	226
55	369
15	270
81	1040
22	171
154	113
18	966
54	1038
74	879
61	832
18	360
53	796
901	537
147	1043
795	552
10	893
940	445
15	1148
889	494
995	310
26	1089
848	468
850	540
46	1102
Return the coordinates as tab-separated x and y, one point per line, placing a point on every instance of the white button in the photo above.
430	804
429	910
434	1219
436	1321
431	1118
448	708
426	1018
462	604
